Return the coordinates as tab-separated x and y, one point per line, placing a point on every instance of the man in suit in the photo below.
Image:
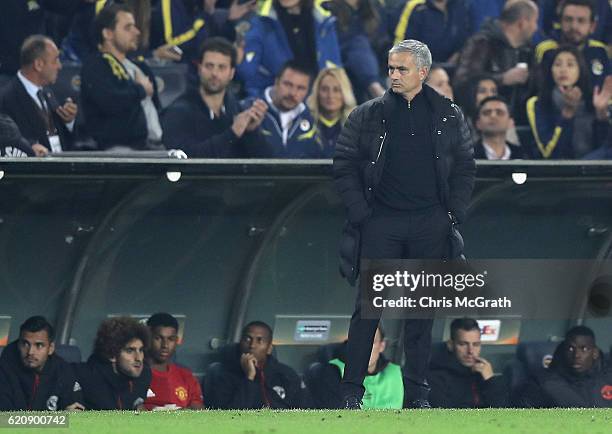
32	105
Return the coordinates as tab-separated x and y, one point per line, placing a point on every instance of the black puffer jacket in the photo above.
359	161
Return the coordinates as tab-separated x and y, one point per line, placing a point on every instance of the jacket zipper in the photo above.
381	146
262	383
34	390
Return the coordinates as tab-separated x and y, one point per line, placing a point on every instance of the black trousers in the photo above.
391	234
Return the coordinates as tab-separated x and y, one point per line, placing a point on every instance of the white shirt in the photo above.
492	155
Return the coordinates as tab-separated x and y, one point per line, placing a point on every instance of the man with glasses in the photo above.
404	167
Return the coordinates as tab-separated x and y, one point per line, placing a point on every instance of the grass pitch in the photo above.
575	421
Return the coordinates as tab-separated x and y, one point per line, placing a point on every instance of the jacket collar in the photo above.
440	105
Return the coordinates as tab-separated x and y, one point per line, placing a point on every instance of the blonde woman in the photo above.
330	103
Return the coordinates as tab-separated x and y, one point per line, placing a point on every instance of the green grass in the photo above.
576	421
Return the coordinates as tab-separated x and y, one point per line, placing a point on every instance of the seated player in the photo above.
115	376
249	377
460	377
32	376
173	386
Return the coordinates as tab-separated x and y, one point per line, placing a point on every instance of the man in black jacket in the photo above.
207	121
32	377
459	377
577	376
249	377
115	377
404	168
118	95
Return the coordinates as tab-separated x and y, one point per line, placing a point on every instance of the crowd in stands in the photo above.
277	78
133	367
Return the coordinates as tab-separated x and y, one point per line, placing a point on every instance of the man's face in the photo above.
48	65
494	118
576	24
290	89
215	72
125	35
466	347
377	348
256	341
131	358
529	25
404	74
163	343
35	349
581	353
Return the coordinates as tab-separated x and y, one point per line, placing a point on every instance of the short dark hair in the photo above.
107	19
162	319
114	334
296	66
517	10
579	331
586	3
261	324
493	98
34	47
38	323
221	45
465	324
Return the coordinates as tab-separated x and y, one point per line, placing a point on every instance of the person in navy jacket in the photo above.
285	30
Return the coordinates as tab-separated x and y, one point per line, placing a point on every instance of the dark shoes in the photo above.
352	403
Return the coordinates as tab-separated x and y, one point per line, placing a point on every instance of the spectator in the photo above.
444	25
577	376
567	119
119	96
288	126
187	23
438	80
285	30
32	105
207	121
384	387
115	377
493	122
80	42
12	143
482	86
577	24
360	33
32	377
459	377
20	19
330	103
603	28
501	49
249	377
173	386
